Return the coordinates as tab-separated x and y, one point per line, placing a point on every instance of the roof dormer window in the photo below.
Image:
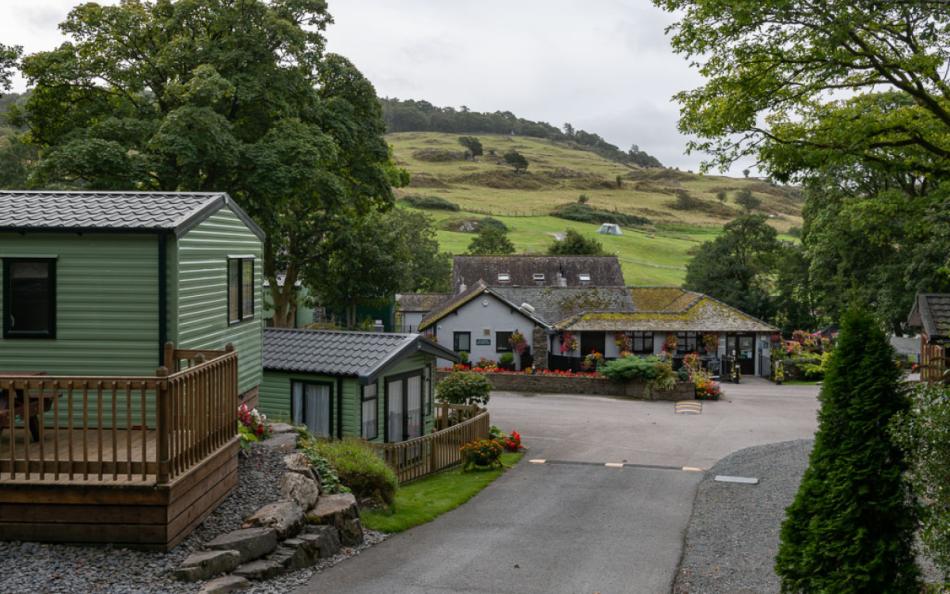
504	277
584	277
538	277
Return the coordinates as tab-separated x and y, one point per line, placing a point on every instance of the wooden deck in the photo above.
131	461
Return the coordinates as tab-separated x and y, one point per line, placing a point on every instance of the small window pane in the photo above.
463	342
247	288
501	342
234	290
31	298
370	428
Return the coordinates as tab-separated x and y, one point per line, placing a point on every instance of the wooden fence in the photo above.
934	362
419	457
141	429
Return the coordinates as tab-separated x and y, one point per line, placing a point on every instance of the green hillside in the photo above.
655	253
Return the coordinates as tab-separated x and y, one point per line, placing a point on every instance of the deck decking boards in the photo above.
123	511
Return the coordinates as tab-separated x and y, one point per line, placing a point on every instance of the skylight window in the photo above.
538	276
504	277
584	276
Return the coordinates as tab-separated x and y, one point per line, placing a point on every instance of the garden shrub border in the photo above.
584	385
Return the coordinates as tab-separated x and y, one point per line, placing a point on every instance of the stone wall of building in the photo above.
590	386
539	347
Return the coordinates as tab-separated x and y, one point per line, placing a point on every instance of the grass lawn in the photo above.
424	500
801	382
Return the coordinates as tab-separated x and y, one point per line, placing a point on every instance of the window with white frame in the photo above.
504	277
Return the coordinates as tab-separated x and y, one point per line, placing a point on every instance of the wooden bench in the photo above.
26	406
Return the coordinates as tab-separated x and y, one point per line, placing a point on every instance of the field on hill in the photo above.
655	253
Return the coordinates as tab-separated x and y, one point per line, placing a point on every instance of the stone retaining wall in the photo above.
555	384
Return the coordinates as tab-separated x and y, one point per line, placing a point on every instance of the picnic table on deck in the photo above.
26	406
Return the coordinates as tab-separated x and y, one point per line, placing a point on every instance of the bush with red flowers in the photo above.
252	425
513	442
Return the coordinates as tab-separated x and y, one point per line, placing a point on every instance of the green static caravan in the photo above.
95	283
374	385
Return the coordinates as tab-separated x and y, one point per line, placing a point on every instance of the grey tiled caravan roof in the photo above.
931	313
111	211
328	352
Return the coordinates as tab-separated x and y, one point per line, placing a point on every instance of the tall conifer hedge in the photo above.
851	526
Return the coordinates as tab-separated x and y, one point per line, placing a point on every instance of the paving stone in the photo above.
324	540
225	584
284	516
261	569
250	543
285	442
278	428
206	564
299	488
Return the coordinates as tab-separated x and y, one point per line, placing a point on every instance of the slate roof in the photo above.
479	289
420	302
604	271
668	309
112	211
931	313
354	354
553	304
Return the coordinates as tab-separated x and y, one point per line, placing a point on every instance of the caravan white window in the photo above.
584	276
538	276
504	277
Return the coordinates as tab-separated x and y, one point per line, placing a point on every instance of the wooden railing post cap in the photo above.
229	347
161	371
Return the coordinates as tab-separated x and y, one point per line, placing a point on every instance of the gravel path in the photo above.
39	568
733	534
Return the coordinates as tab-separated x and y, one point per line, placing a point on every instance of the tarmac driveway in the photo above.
572	524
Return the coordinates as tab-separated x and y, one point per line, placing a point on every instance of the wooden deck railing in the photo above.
142	429
416	458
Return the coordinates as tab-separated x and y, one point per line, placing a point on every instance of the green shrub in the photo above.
329	481
631	368
462	387
482	452
851	526
434	155
429	202
923	434
360	468
506	361
584	213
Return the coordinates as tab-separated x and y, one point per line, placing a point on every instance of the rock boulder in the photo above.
250	543
225	584
299	488
284	516
207	564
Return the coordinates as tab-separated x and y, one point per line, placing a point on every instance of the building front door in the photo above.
743	347
593	341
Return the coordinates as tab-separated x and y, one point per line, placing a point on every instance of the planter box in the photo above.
590	386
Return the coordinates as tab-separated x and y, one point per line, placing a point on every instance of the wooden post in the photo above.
168	359
164	417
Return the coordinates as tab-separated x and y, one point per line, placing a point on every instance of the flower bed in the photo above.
584	383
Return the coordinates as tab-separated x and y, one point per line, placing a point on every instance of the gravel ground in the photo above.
39	568
733	534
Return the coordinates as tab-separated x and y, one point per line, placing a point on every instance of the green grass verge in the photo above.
424	500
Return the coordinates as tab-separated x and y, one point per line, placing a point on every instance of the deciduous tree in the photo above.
575	244
207	95
517	161
736	266
491	241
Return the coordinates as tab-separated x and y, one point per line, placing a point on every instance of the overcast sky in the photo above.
603	65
